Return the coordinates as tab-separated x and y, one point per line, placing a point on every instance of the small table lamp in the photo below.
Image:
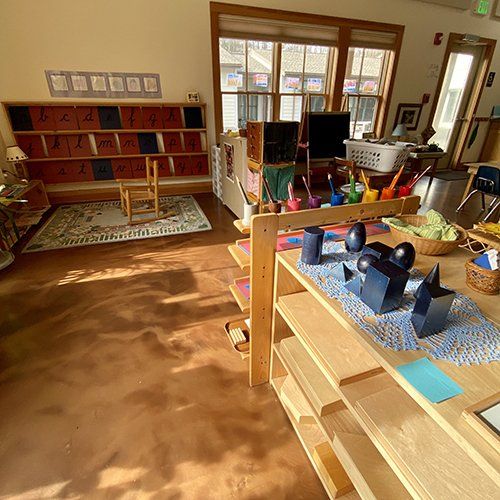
16	156
400	131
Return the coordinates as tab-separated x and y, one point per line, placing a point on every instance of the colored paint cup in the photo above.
387	194
370	195
404	191
355	197
314	201
274	207
249	209
336	199
312	245
293	205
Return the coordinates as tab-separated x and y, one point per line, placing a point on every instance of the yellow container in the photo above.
370	195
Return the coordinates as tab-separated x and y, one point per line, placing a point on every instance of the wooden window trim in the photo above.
345	25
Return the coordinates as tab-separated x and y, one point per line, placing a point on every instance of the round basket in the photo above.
482	280
426	246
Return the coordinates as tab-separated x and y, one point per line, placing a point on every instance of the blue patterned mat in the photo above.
468	338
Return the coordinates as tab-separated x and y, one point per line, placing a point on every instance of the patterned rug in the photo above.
103	222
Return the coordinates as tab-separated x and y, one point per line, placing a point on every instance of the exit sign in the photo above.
481	7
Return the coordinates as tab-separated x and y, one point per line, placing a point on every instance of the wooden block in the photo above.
332	470
237	336
42	117
199	165
131	117
20	118
129	144
296	402
79	145
65	118
32	145
109	117
423	455
320	392
106	144
151	117
57	146
121	168
88	118
182	165
172	117
172	142
340	356
192	142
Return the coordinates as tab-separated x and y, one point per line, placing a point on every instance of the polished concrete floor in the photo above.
117	381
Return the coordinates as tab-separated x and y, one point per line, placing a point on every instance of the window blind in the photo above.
255	28
373	39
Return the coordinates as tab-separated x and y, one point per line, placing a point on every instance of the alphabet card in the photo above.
65	118
42	117
57	146
105	144
131	117
32	145
88	118
79	145
129	144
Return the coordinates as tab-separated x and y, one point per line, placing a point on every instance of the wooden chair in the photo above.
147	192
343	168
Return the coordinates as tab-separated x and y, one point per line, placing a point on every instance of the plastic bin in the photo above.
379	157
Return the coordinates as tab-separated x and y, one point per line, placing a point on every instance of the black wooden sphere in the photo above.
365	261
355	237
403	255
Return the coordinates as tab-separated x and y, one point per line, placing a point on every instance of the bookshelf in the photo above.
84	146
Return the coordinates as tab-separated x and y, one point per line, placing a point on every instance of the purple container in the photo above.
314	201
312	245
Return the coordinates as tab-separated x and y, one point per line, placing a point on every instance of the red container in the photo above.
404	191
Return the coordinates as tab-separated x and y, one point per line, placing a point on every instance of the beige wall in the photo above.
172	37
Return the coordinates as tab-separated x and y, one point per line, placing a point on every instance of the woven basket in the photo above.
482	280
426	246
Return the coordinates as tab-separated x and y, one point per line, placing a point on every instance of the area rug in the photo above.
103	222
451	175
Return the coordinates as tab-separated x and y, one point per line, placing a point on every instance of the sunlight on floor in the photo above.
115	476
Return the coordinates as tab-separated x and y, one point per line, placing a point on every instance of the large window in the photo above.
267	64
364	87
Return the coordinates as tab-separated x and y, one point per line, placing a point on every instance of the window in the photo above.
364	87
304	69
268	63
246	80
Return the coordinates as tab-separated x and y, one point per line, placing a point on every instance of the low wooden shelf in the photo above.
241	300
241	258
391	441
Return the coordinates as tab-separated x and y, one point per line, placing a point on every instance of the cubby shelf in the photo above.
119	156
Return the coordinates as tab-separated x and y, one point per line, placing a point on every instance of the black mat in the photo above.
451	175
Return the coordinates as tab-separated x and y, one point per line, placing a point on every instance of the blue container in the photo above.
312	245
336	199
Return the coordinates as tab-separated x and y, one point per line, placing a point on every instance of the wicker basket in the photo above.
426	246
482	280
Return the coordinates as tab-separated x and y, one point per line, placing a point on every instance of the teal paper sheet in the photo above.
429	380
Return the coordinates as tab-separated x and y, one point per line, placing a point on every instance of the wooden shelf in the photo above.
241	300
319	391
310	436
241	349
110	131
342	360
241	258
105	157
426	459
238	223
296	403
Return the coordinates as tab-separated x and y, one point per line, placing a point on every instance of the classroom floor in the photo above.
117	381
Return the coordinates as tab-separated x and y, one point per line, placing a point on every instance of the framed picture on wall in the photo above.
409	115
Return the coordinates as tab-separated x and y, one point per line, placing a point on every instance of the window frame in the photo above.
338	67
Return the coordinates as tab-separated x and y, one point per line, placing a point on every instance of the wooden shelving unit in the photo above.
390	441
79	148
241	300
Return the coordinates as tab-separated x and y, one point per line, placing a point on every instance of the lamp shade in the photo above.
15	153
400	130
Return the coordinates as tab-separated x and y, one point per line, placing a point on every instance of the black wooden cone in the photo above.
431	279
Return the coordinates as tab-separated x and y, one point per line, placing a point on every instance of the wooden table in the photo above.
472	169
417	159
391	440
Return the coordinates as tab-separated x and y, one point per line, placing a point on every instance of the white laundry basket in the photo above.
379	157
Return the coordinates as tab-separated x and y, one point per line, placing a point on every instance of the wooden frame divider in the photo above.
264	235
